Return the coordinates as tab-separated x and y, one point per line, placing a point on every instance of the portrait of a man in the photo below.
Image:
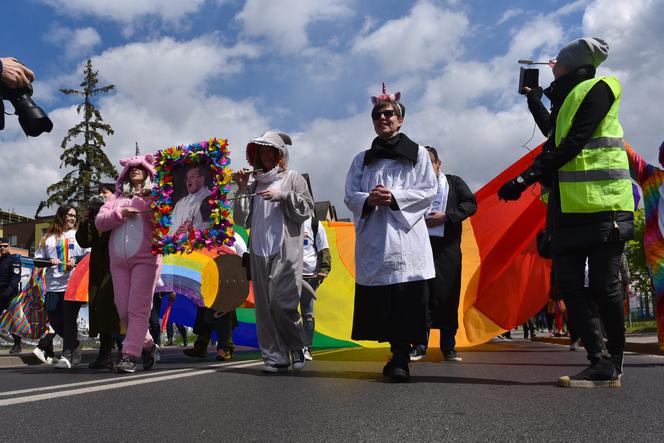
192	210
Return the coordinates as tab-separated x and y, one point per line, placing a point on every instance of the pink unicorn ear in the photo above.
374	100
149	158
124	161
397	96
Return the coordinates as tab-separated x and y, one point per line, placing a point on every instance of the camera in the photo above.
529	78
31	117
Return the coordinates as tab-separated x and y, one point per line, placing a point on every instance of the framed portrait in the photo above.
190	205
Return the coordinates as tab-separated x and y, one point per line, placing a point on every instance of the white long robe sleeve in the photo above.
392	245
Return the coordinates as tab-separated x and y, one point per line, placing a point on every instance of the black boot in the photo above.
103	361
199	350
397	369
600	374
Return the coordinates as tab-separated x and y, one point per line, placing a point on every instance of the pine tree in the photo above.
87	157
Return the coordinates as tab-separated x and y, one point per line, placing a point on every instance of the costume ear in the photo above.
149	158
397	96
124	161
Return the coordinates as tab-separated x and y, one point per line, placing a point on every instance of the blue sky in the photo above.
186	71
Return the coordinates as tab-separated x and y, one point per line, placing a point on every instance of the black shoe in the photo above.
195	352
397	371
600	374
16	349
451	356
170	342
102	363
297	359
417	353
149	356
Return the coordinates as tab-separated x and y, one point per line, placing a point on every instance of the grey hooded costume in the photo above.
276	274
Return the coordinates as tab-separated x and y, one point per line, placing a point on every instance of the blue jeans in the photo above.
307	311
447	341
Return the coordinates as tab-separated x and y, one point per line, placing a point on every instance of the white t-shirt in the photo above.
58	276
310	254
267	223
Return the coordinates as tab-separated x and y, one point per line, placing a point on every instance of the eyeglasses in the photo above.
386	112
4	246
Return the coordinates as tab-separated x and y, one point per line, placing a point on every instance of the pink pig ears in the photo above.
385	97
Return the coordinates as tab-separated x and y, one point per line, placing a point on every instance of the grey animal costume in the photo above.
277	277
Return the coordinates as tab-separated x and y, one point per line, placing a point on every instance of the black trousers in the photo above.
62	316
154	325
170	332
601	301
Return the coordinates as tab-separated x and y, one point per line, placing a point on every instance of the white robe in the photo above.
189	208
392	246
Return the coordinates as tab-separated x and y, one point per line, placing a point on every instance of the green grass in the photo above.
642	326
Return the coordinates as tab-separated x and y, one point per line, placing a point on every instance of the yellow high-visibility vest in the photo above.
597	179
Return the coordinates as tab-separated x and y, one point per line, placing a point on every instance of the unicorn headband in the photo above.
385	97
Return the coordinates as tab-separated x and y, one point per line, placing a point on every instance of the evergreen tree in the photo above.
83	149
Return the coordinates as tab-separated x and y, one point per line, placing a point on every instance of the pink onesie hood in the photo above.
144	161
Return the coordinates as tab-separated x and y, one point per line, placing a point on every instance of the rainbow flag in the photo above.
26	316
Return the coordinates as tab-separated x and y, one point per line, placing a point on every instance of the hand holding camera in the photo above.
14	74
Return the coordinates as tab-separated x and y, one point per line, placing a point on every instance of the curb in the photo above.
639	348
29	359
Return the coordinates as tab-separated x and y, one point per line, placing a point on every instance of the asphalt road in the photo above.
501	392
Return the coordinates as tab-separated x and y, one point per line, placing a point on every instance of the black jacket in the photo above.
573	229
10	276
461	204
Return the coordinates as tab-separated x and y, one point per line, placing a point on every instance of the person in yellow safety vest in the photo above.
590	205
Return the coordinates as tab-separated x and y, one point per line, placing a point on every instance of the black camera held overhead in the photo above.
529	77
31	117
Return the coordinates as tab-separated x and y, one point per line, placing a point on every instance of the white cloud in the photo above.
509	14
126	11
77	42
284	23
419	41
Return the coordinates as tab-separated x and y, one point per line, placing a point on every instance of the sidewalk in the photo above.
642	343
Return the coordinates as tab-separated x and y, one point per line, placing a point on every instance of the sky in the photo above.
186	71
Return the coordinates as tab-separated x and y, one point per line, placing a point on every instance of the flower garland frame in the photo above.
213	153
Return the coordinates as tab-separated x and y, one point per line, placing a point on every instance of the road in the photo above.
501	391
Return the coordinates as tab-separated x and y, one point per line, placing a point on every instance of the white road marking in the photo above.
127	381
91	382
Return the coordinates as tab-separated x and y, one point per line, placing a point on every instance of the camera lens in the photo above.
31	117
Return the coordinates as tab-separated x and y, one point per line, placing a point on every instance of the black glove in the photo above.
512	189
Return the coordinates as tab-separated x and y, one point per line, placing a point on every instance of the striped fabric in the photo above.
26	315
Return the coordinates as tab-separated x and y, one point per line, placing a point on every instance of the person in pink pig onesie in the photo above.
134	268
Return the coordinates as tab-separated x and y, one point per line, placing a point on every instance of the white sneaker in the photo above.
41	356
63	363
307	354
